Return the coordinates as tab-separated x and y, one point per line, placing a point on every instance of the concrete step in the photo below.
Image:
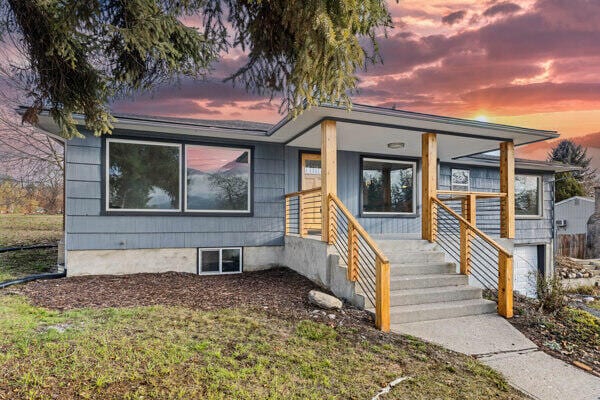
413	257
420	281
432	311
434	295
422	269
406	245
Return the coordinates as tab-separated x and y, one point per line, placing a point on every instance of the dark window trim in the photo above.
540	215
180	212
416	188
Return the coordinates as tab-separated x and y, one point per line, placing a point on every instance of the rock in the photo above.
572	276
331	316
324	300
588	299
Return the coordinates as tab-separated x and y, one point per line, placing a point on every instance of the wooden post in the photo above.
287	216
429	172
352	253
382	295
301	215
505	285
469	212
328	173
507	185
465	249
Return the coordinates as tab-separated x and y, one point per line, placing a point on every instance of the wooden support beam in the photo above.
301	224
429	178
507	185
505	285
353	261
287	215
382	295
328	174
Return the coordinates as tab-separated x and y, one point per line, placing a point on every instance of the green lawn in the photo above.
179	353
23	230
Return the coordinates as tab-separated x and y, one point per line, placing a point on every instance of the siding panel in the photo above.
87	229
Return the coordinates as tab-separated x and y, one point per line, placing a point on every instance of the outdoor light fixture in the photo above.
396	145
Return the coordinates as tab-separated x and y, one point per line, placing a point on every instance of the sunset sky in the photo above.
527	63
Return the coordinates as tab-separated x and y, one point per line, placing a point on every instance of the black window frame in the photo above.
416	189
104	210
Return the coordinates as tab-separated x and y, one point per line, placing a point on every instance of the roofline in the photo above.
79	119
591	200
547	134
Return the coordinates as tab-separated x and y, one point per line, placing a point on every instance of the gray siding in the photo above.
538	230
577	212
88	229
528	230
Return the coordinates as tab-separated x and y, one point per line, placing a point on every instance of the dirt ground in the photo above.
572	335
278	290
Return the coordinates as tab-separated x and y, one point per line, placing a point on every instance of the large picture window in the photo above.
143	176
152	176
217	179
388	186
528	195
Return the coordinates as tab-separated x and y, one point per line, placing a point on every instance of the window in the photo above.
528	195
147	176
461	180
143	176
215	261
217	179
388	186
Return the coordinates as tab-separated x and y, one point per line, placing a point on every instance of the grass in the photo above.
178	353
23	230
16	264
586	290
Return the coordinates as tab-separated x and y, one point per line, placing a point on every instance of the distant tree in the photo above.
79	54
567	186
233	190
575	183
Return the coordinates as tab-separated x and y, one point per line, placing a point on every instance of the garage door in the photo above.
525	270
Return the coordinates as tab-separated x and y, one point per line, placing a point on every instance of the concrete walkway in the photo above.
496	343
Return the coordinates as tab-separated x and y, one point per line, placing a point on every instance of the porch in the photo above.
445	219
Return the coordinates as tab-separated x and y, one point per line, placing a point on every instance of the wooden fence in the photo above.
572	245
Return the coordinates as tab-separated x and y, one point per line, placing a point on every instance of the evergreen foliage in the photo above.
575	183
83	53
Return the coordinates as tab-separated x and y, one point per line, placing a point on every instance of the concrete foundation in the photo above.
320	263
133	261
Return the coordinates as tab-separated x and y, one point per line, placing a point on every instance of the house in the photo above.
571	218
395	211
572	215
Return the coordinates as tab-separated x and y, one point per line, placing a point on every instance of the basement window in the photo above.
220	260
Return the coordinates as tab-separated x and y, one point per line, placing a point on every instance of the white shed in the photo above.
572	215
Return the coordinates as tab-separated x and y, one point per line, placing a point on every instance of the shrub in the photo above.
551	293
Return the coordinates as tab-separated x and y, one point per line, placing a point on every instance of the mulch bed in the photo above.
279	291
556	335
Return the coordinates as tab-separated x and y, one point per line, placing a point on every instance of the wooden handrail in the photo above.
360	230
472	227
300	192
482	195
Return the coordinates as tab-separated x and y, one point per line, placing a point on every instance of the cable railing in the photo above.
367	265
476	253
303	212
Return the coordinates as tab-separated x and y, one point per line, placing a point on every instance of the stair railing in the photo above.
367	265
477	253
303	212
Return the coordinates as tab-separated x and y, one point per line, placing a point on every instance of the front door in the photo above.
311	178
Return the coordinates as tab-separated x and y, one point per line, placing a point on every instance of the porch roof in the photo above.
370	129
366	129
